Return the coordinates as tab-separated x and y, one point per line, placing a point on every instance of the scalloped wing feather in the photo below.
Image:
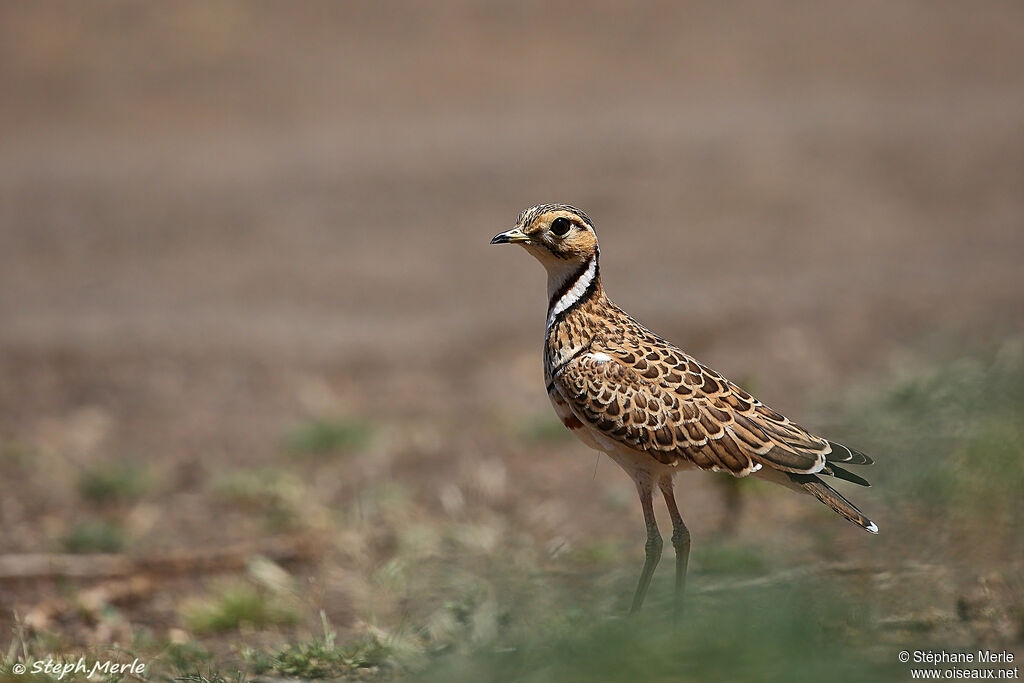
655	398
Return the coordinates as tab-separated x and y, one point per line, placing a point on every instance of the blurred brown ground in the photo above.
217	219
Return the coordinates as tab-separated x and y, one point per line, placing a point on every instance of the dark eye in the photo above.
561	226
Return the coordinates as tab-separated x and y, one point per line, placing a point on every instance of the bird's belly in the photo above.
571	422
636	462
629	459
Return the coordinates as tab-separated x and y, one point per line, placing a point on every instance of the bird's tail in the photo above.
812	484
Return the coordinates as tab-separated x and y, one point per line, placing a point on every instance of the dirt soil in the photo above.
218	221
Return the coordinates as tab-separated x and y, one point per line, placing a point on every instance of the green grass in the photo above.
949	443
256	487
391	576
775	634
748	635
17	456
94	537
189	656
328	436
273	492
322	657
212	677
113	483
190	661
446	605
717	559
602	552
237	606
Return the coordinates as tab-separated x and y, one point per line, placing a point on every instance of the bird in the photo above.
652	408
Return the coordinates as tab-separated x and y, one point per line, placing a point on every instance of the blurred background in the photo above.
270	404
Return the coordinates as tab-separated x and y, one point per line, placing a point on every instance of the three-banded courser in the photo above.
652	408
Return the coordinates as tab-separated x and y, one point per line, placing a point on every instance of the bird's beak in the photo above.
513	236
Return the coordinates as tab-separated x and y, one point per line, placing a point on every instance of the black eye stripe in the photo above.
561	226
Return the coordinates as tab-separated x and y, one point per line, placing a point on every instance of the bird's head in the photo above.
558	235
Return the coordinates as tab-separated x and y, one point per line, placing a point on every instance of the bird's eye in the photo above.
561	226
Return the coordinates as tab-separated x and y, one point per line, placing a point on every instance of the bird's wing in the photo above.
655	398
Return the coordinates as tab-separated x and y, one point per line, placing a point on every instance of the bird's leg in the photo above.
680	542
653	545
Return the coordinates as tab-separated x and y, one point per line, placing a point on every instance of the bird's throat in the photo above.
571	284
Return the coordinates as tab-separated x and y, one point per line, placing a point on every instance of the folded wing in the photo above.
659	400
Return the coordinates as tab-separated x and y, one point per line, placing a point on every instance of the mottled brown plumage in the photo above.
651	407
653	397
